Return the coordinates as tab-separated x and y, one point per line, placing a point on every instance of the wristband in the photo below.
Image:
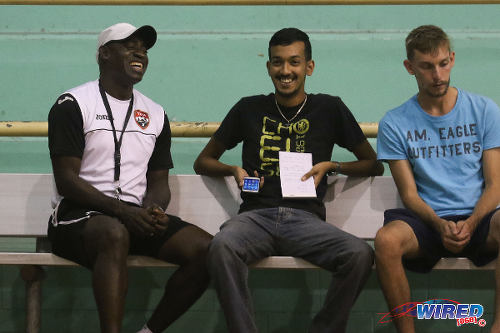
336	170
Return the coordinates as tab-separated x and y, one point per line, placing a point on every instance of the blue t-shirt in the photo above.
444	152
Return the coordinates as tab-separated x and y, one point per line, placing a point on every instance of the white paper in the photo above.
292	167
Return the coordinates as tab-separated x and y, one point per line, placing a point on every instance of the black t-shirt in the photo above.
323	122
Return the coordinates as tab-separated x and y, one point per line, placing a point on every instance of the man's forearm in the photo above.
78	190
490	198
420	208
208	166
362	168
158	189
488	201
157	197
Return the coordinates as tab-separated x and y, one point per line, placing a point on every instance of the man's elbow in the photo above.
378	169
371	168
198	166
65	184
63	190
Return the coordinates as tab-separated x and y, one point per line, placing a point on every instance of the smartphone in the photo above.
251	184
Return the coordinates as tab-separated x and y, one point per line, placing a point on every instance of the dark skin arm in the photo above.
157	198
366	165
208	164
66	174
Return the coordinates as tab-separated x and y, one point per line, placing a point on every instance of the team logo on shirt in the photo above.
301	127
141	118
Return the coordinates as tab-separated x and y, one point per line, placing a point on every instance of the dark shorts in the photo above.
65	232
429	240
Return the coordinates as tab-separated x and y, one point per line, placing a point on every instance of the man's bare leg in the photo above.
188	248
493	242
392	242
107	243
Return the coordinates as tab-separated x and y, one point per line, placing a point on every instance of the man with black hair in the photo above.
289	120
110	151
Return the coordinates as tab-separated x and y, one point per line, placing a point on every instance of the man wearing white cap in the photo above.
110	151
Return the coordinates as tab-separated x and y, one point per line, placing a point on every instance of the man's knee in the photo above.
221	249
107	233
359	256
389	242
116	235
495	225
218	246
199	248
365	253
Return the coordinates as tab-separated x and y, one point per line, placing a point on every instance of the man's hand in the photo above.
160	219
137	220
239	174
455	236
318	171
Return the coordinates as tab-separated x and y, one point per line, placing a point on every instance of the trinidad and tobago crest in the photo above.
141	118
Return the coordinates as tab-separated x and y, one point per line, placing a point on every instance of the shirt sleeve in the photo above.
229	131
492	125
161	158
348	132
66	128
389	146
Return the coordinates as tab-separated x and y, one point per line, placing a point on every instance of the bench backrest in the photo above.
355	205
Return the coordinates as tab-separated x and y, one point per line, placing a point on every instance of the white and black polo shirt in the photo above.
79	127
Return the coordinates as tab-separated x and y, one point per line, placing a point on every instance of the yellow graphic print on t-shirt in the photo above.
278	136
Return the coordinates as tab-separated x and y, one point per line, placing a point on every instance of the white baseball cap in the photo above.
121	31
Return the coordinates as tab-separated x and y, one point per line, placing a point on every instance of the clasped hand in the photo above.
455	236
150	221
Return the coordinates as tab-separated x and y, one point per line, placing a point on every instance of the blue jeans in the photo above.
260	233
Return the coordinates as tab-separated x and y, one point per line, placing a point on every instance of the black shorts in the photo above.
429	240
65	232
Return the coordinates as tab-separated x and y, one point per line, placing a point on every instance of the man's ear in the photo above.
268	66
310	67
409	67
104	52
452	58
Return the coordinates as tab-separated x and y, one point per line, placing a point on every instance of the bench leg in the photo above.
33	276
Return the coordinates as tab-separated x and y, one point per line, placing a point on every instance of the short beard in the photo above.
440	94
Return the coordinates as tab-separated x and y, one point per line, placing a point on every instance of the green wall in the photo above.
206	58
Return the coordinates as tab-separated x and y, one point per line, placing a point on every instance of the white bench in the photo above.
355	205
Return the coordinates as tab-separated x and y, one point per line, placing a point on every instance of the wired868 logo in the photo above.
439	309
